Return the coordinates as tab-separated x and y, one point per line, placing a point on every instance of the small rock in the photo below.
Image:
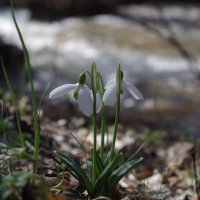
180	154
154	182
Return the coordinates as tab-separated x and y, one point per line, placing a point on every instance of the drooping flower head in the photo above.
109	97
79	91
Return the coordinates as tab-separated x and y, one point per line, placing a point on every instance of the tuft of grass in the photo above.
33	96
21	137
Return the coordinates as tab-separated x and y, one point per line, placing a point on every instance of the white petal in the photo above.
62	90
135	93
110	82
98	102
86	88
110	95
85	101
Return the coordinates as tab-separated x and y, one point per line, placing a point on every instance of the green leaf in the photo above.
100	166
100	84
118	174
109	158
105	175
118	80
72	165
89	164
94	77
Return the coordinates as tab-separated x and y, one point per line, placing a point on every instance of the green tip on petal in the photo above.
82	79
75	95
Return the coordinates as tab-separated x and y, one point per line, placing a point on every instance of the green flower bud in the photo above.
82	79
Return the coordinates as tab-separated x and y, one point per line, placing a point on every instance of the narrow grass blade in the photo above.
118	174
21	137
45	92
74	167
33	98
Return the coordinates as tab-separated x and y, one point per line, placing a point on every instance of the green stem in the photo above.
119	90
94	159
101	91
103	128
116	126
94	121
35	114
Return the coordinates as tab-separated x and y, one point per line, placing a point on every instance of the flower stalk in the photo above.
106	166
94	120
103	130
118	93
103	121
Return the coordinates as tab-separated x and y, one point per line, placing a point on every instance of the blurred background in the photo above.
158	46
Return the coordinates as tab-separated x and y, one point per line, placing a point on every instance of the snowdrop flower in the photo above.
110	93
80	92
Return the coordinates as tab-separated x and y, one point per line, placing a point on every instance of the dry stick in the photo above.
191	60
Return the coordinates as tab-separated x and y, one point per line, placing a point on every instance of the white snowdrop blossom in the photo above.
81	93
110	93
